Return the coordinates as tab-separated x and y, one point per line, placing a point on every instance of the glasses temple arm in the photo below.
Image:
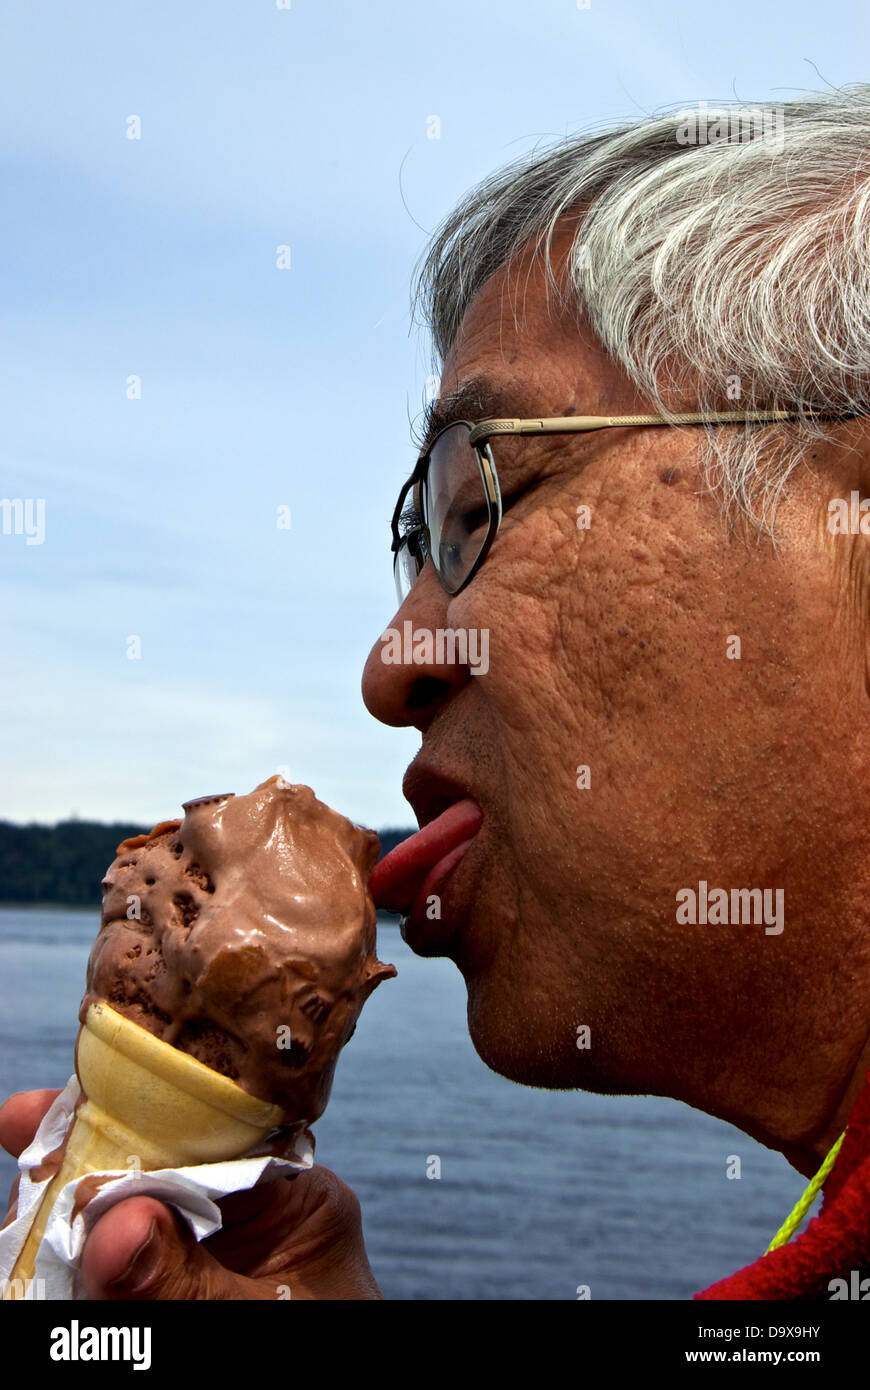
580	424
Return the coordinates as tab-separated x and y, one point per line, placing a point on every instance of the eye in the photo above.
475	520
413	534
518	493
410	520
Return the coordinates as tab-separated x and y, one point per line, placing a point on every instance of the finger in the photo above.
255	1224
237	1208
21	1116
140	1249
307	1219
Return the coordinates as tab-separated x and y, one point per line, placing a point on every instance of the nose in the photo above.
409	691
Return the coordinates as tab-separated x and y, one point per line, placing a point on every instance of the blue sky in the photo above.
263	387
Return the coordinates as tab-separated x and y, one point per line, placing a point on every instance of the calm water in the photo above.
539	1191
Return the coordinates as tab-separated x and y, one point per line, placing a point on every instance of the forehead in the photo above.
517	335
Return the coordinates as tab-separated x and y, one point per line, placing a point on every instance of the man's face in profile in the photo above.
611	647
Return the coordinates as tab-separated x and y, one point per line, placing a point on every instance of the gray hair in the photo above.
700	261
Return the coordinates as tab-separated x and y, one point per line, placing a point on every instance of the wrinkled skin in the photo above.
608	648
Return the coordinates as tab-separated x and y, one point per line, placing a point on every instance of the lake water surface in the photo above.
540	1191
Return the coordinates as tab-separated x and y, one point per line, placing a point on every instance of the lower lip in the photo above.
426	935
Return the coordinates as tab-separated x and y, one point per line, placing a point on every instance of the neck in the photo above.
808	1155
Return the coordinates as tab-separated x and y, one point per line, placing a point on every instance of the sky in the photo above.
170	390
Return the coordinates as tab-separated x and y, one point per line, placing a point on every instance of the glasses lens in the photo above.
404	572
456	508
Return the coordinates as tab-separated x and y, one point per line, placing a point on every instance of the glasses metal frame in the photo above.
484	430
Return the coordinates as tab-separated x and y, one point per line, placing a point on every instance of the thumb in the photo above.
141	1249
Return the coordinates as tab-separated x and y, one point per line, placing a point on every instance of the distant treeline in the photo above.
65	863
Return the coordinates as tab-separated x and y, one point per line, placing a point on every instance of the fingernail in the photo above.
143	1263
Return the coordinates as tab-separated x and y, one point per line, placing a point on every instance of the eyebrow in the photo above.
477	398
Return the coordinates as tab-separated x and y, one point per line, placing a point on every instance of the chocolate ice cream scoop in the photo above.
245	935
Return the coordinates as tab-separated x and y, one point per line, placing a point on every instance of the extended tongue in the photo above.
395	880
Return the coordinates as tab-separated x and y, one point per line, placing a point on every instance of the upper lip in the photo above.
429	791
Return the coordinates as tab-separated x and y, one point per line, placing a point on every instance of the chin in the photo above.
503	1039
546	1056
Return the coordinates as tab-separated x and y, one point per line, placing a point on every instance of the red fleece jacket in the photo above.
835	1242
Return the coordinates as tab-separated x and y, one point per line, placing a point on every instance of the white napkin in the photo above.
192	1191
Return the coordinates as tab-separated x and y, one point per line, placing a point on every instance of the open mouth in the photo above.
415	869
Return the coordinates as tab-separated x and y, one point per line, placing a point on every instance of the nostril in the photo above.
426	691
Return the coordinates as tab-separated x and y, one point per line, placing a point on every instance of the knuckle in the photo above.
20	1118
342	1201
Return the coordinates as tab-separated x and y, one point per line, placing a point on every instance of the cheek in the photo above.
519	598
532	696
566	631
590	637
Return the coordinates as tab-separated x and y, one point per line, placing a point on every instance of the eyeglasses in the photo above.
455	508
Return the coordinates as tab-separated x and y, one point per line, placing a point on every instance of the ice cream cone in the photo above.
146	1102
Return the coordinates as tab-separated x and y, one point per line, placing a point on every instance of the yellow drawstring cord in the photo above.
795	1217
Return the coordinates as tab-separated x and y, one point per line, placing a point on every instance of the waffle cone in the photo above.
148	1102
